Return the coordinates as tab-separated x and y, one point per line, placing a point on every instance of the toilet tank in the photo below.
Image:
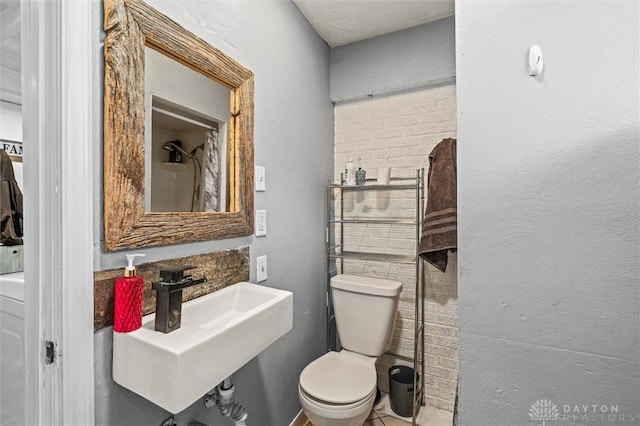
365	311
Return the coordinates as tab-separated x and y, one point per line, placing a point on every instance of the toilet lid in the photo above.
339	378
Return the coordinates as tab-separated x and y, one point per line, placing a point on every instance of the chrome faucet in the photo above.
169	297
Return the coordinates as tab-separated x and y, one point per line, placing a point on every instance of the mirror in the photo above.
178	134
185	138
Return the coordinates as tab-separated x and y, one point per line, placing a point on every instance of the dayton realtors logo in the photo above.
545	410
596	413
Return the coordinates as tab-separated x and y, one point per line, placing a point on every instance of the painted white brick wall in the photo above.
399	132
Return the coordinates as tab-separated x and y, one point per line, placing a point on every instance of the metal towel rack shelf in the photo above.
337	255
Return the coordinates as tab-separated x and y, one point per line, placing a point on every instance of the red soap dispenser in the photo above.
128	304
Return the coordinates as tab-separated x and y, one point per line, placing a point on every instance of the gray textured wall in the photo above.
294	141
549	225
406	60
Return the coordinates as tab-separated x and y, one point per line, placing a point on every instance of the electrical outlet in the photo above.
261	223
261	183
261	268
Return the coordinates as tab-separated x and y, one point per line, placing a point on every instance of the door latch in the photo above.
50	352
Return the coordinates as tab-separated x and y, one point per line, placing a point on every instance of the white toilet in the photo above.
339	388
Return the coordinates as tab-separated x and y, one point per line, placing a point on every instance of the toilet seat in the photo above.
327	414
336	408
339	379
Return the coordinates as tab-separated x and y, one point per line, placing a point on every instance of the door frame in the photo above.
57	89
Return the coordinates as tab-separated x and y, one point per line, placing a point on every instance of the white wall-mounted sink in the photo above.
220	333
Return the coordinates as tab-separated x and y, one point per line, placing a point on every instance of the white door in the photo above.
57	100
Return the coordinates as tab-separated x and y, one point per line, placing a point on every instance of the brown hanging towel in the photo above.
439	227
10	204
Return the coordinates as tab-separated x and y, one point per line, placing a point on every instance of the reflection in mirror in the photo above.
186	155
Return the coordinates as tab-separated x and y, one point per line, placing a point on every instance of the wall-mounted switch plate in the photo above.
261	223
261	268
259	174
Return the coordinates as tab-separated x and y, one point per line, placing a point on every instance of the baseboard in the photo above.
300	420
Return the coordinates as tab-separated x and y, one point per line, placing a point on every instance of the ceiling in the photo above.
341	22
338	22
10	87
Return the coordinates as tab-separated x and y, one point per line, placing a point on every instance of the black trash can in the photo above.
401	390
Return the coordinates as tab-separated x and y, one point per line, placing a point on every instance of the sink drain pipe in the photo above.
222	396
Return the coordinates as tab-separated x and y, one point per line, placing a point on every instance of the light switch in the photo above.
261	183
261	223
261	268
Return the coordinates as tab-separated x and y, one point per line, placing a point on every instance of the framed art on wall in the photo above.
13	148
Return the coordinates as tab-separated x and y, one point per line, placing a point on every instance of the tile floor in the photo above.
384	420
382	415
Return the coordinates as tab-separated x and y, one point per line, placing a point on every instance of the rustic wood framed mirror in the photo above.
133	27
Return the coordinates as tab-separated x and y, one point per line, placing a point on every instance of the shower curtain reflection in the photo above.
211	178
